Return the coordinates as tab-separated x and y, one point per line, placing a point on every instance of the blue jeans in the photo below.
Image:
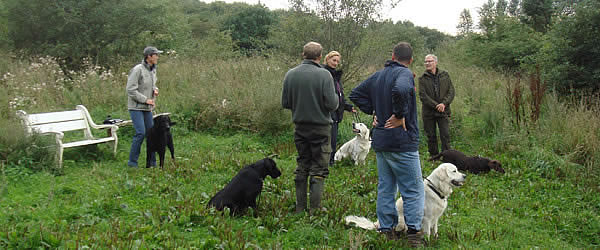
399	170
142	121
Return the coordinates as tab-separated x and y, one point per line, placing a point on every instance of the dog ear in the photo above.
449	169
168	120
272	168
365	131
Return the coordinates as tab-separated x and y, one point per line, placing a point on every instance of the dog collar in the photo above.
429	183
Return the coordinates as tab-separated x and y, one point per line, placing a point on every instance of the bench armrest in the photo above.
112	127
104	126
58	136
57	133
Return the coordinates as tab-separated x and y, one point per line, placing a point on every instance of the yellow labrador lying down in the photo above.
438	186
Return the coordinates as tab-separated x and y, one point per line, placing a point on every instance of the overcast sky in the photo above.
436	14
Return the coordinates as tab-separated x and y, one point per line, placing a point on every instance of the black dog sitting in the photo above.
474	164
158	138
244	188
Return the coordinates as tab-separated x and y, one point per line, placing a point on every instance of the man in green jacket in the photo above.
308	91
436	93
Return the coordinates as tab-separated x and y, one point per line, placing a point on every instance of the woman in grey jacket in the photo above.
141	90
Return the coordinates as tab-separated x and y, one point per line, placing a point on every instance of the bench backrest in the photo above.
57	122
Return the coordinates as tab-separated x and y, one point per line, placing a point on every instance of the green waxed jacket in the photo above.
428	96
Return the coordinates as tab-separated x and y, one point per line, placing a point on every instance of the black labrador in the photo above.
158	138
244	188
474	164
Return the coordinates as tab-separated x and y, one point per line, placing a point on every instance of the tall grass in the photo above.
242	93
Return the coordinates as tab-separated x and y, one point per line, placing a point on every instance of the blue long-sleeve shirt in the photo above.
386	92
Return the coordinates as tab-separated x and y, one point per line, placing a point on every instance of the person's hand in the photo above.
394	122
440	107
150	102
353	110
374	121
155	92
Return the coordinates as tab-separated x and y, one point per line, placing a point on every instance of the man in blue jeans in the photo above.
390	93
141	91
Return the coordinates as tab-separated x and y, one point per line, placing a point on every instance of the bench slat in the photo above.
60	126
87	142
52	117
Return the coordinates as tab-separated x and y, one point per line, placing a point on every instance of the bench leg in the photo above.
59	156
115	147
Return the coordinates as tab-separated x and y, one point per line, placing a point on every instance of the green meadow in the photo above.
229	115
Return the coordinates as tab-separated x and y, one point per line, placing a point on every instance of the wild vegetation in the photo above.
224	93
555	35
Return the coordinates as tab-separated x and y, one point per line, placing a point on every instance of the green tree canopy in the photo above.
537	13
569	57
510	43
344	27
250	27
487	16
513	7
465	23
72	30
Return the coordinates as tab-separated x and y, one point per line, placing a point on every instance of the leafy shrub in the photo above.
250	27
510	44
570	53
103	30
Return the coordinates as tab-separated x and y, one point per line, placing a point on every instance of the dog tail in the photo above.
360	221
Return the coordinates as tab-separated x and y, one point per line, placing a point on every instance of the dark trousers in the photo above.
313	143
430	125
334	135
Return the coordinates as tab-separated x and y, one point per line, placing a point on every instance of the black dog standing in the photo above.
244	188
158	138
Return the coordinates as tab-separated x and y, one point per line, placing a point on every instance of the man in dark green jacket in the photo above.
308	91
436	93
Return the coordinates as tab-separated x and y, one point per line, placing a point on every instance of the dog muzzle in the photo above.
457	183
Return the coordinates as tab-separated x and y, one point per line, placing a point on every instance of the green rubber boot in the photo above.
301	186
316	192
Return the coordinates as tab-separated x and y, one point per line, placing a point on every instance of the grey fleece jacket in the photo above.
141	83
308	91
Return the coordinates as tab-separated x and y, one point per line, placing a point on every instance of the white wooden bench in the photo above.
59	122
